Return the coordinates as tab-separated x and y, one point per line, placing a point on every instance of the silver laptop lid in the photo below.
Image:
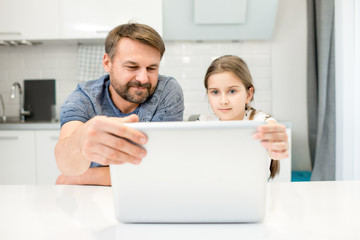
194	172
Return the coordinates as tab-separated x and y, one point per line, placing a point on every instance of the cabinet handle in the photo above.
11	33
9	138
54	137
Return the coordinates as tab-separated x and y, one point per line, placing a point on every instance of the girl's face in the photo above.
228	96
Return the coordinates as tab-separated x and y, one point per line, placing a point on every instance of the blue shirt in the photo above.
92	98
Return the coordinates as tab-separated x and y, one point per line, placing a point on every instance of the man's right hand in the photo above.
105	140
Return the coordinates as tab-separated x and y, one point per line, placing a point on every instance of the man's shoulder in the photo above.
165	104
167	83
165	79
94	86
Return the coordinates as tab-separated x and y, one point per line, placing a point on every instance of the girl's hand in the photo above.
274	138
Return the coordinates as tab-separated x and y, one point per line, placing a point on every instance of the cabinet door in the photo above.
47	171
30	19
17	159
83	19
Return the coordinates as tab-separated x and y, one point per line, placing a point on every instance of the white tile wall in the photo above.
37	62
186	61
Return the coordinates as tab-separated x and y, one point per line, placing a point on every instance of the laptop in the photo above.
194	172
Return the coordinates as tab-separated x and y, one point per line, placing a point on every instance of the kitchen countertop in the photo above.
295	210
30	126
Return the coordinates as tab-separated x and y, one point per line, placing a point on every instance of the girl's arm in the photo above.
274	138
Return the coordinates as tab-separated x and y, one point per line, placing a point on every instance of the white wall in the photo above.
278	67
347	59
289	59
188	62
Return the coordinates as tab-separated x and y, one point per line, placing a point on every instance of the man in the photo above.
93	134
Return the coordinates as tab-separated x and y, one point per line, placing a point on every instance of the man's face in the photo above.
133	70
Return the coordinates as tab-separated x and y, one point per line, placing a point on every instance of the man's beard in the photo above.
139	96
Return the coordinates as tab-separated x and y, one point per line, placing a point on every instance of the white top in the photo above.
300	210
259	116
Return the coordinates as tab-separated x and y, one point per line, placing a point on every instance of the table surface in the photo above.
297	210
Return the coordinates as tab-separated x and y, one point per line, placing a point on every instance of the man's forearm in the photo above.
93	176
65	160
69	157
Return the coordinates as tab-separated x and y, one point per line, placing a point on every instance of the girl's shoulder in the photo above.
258	116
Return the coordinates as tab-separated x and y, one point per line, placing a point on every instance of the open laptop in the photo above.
203	172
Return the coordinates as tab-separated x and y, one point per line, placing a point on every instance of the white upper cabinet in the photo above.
68	19
93	19
28	20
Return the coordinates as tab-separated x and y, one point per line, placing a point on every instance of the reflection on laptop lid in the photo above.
194	172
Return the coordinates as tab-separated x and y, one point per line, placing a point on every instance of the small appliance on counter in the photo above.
39	98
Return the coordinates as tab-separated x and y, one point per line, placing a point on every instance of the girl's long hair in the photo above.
237	66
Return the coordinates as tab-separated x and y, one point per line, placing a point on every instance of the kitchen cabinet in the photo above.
30	20
47	171
27	156
93	19
66	19
17	157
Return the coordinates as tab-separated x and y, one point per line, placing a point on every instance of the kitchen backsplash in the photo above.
186	61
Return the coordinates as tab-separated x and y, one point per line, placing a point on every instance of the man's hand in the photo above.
105	140
274	138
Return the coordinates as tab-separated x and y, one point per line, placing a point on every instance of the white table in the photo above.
303	210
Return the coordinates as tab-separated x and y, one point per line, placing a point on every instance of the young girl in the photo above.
230	91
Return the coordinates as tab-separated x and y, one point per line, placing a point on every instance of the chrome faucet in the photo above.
3	108
23	113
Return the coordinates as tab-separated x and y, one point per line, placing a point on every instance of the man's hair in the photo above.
137	32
